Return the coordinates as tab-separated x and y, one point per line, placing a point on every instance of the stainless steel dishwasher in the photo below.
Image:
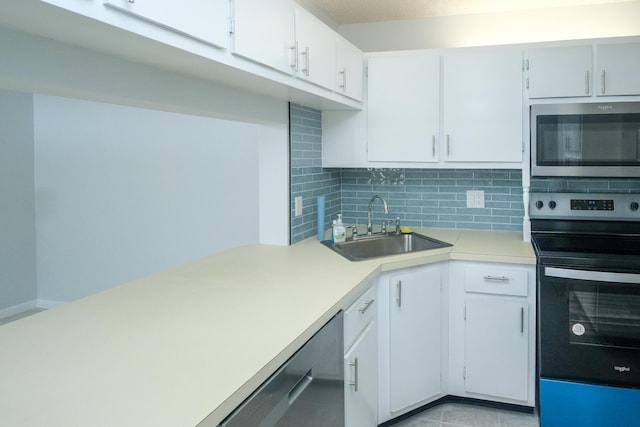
307	391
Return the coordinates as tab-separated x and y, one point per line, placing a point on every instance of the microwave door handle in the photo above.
596	276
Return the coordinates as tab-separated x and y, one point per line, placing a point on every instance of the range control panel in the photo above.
594	206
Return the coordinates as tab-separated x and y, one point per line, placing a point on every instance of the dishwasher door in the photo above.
307	391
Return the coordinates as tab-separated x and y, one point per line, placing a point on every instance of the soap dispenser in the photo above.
339	230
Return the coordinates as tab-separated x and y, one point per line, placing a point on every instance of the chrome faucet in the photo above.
386	211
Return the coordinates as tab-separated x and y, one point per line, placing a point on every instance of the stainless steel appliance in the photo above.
588	265
307	391
586	139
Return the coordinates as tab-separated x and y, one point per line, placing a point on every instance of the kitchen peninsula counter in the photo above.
186	346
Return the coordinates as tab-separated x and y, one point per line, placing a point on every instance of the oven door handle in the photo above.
597	276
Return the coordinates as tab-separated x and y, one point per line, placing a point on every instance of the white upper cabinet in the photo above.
617	69
205	20
350	69
264	32
316	50
556	72
284	36
482	105
403	107
451	108
568	71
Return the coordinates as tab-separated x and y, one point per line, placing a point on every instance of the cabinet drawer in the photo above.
496	280
359	315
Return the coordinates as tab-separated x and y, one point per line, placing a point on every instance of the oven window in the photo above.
604	318
588	140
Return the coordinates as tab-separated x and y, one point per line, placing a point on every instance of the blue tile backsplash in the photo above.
437	198
308	180
420	197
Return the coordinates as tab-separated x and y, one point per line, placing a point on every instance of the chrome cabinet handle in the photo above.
433	146
586	82
366	306
522	320
399	293
344	79
602	81
306	70
294	49
448	145
496	278
354	383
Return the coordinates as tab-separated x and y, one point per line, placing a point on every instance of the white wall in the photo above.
158	160
537	25
17	212
123	192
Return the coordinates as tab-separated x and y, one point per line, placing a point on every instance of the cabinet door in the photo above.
496	346
361	380
350	70
414	337
617	69
205	20
560	72
403	108
316	50
482	105
264	32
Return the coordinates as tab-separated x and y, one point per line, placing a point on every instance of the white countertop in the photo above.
191	343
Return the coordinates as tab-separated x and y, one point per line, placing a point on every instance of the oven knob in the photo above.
539	204
552	204
634	206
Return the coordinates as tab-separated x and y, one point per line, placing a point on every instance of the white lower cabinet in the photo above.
361	361
460	328
360	374
410	349
496	346
492	332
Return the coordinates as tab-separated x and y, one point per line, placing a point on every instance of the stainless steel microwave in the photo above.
586	139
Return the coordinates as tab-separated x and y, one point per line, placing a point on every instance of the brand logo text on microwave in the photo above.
605	107
622	368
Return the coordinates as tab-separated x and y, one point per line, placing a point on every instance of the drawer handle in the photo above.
496	278
300	386
366	306
354	384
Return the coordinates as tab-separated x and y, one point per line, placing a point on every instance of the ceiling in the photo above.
360	11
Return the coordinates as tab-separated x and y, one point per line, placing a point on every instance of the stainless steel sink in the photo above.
367	247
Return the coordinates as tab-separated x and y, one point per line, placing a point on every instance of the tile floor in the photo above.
467	415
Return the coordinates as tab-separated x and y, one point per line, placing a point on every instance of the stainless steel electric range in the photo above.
588	265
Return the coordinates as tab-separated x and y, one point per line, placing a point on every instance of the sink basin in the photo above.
367	247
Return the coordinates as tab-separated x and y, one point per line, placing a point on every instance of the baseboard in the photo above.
46	303
17	309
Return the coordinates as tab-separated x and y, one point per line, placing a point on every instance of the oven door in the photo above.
589	326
